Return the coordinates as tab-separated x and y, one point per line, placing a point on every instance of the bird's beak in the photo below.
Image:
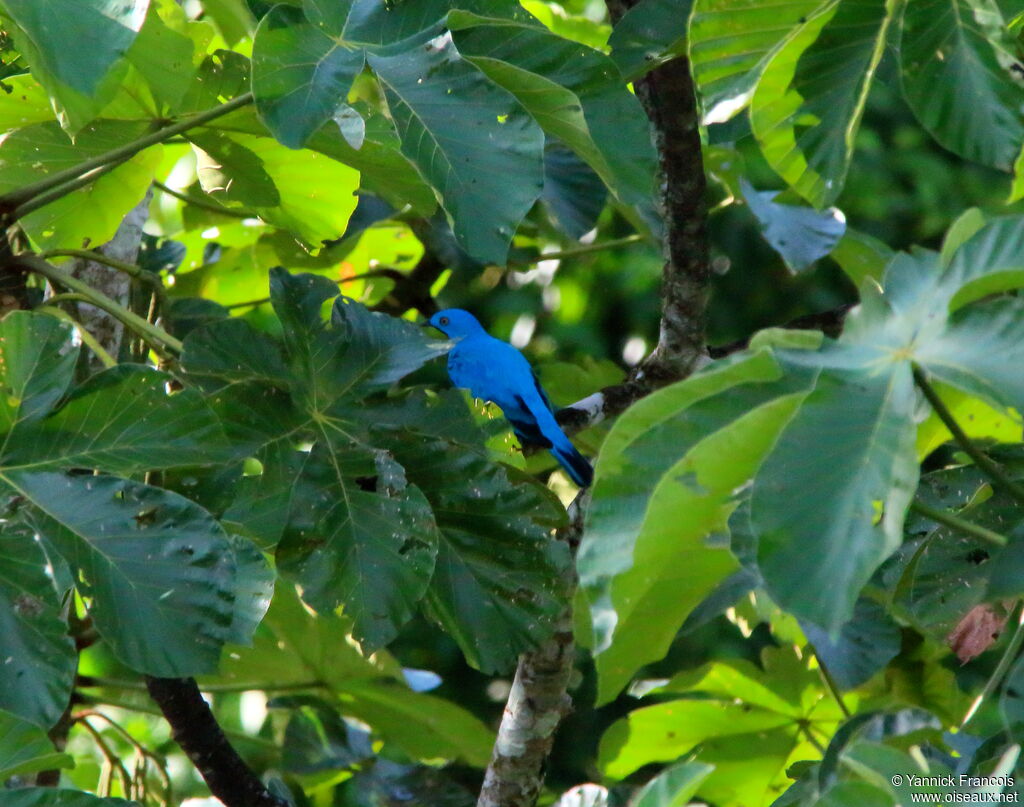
426	324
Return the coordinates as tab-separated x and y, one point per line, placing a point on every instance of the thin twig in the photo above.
573	252
10	201
112	759
59	191
830	683
955	522
234	734
234	212
981	459
88	339
158	338
90	682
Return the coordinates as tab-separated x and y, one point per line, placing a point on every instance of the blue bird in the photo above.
495	371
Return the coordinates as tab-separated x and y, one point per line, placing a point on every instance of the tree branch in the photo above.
195	729
10	201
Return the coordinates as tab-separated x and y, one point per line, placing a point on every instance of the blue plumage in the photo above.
495	371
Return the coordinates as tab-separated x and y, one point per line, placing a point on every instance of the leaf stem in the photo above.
63	189
196	201
830	683
131	269
214	689
112	759
14	199
947	519
88	339
572	252
157	337
152	710
1008	657
981	459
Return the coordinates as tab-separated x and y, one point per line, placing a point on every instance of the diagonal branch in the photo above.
196	730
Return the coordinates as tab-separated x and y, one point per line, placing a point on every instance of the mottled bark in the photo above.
124	246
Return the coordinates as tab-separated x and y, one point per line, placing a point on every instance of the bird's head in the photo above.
456	323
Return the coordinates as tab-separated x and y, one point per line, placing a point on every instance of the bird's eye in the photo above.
443	320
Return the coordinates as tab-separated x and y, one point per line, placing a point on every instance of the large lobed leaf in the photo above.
371	511
815	531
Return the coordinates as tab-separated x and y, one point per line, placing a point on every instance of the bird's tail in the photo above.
576	465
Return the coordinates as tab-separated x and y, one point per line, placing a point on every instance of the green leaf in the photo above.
301	191
369	545
987	263
808	102
77	41
232	173
293	645
357	534
121	420
425	726
575	94
650	33
254	589
300	74
37	361
742	720
980	352
674	786
467	136
800	235
158	567
497	586
669	730
955	59
737	699
856	794
91	215
573	194
36	678
163	52
865	644
384	170
25	749
821	530
860	256
72	45
683	450
726	76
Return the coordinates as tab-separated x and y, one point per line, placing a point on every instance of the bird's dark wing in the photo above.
540	391
525	425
